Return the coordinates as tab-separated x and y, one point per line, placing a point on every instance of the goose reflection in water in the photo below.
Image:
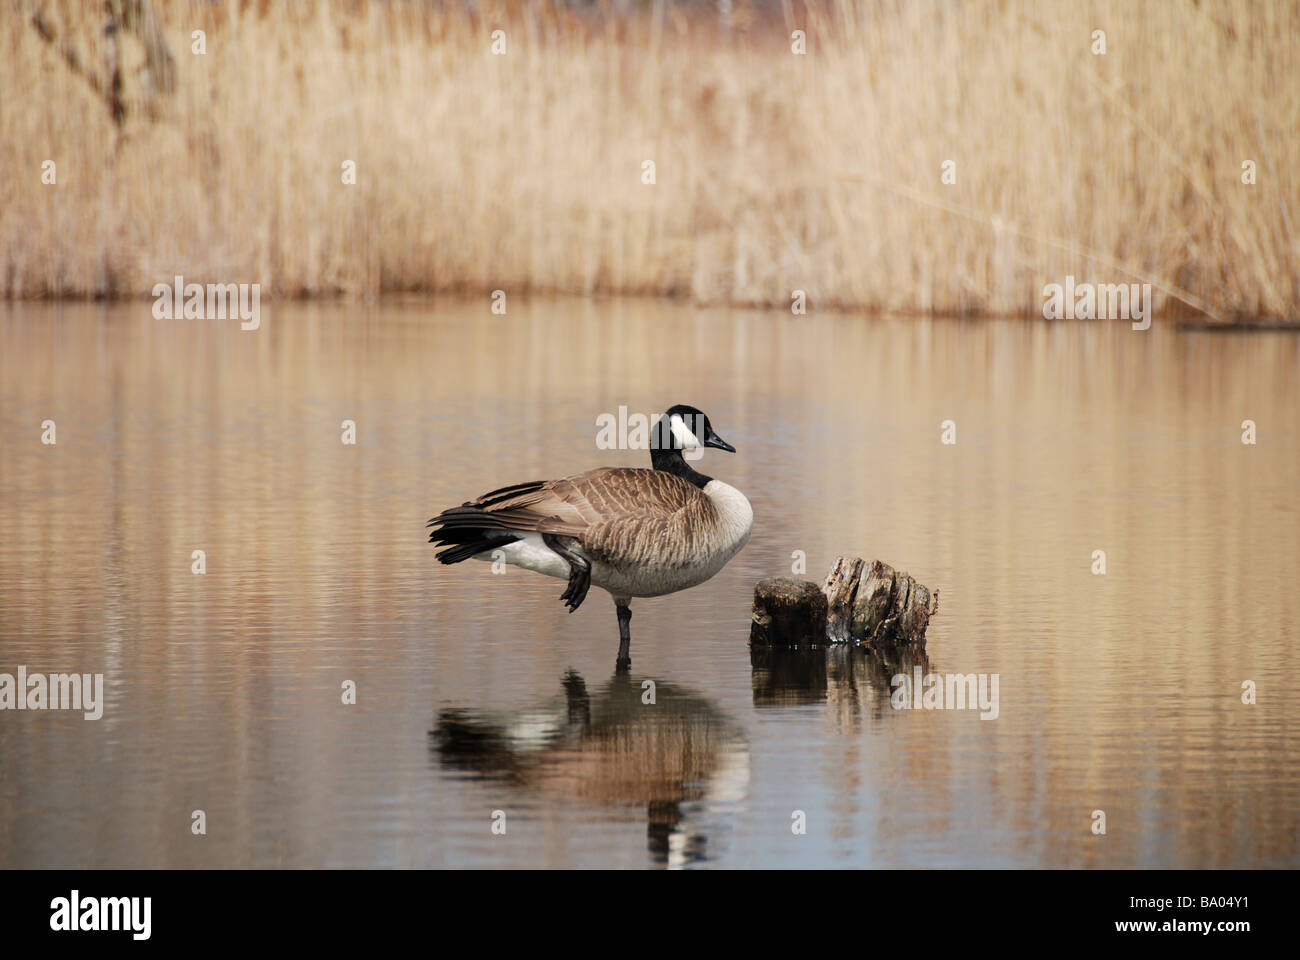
679	757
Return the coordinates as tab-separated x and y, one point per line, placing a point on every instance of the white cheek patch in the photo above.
683	433
689	441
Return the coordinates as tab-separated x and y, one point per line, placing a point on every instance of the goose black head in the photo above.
682	432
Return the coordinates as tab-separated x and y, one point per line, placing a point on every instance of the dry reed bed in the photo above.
774	172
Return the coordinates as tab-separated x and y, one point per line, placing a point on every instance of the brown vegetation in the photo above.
774	172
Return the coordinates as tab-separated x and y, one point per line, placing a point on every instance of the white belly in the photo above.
531	554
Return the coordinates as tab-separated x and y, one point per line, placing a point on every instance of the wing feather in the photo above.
620	514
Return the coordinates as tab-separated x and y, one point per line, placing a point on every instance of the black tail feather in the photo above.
463	551
466	531
506	493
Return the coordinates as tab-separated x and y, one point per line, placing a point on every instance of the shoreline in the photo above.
1187	322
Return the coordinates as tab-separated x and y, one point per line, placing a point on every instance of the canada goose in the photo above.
631	531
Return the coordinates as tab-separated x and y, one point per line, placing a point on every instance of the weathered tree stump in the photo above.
867	602
788	613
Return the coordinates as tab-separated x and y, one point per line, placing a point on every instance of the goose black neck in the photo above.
672	461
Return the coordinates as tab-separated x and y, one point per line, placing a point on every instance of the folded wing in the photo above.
616	514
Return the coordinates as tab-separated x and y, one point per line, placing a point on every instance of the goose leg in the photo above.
624	634
579	572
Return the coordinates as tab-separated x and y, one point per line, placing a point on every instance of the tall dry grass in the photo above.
774	171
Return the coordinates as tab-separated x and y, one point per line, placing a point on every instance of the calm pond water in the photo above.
478	693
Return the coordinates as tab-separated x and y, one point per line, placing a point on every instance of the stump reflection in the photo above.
855	678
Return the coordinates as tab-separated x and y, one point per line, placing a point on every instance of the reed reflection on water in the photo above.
222	690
